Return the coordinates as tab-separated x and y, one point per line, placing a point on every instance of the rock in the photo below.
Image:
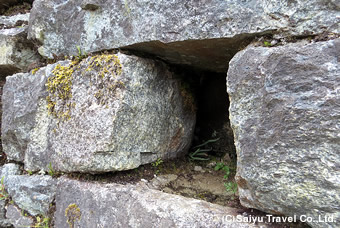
21	94
198	169
17	219
9	169
31	193
285	113
3	221
125	112
16	52
204	34
112	205
159	182
5	171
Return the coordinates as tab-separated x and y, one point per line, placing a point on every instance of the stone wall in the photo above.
98	87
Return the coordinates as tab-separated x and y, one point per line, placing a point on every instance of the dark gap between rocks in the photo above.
14	7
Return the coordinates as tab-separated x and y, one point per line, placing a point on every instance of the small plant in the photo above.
200	154
81	54
267	44
51	171
225	168
42	222
29	172
3	193
72	213
230	186
157	163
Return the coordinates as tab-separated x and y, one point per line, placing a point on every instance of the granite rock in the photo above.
285	114
119	114
204	34
85	204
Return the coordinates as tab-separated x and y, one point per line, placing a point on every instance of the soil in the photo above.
193	179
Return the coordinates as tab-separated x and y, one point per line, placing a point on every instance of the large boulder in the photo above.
204	34
16	52
85	204
105	113
285	113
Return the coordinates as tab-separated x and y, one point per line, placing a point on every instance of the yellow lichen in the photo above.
72	213
34	71
104	70
107	68
59	88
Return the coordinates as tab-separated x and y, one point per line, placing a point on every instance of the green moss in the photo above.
72	214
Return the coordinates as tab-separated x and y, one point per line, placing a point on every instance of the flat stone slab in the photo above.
285	113
85	204
204	34
105	113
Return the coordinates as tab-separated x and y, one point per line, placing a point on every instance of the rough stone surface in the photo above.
3	221
113	205
146	114
9	169
17	219
31	193
204	34
16	52
285	113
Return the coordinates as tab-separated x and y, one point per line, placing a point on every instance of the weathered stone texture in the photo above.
3	221
114	205
285	113
31	193
9	169
114	120
17	219
16	52
204	34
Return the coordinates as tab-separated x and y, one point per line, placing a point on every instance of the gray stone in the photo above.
3	221
204	34
114	205
16	52
31	193
114	120
21	94
17	219
285	113
9	169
